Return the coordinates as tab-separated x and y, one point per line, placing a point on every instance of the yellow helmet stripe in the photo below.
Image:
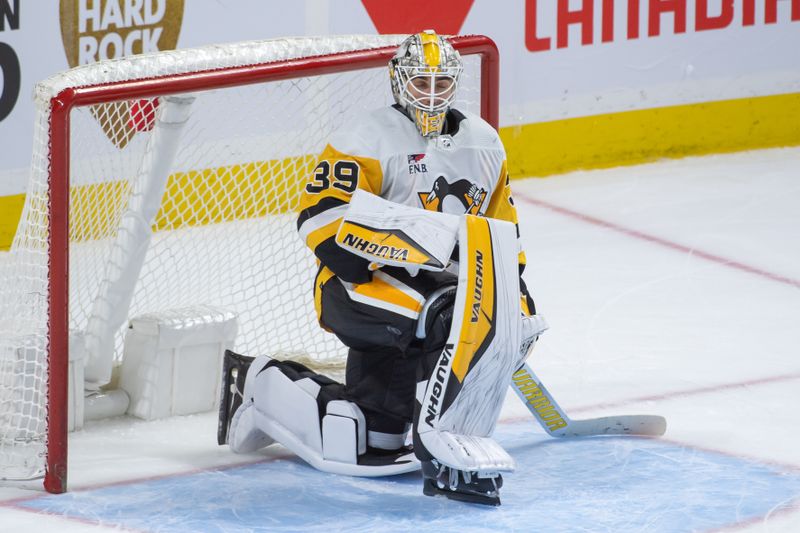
430	48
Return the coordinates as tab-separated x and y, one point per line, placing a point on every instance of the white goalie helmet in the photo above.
424	74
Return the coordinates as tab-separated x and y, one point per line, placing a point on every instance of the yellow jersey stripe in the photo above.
379	289
399	285
316	237
323	276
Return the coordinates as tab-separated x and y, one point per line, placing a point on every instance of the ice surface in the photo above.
598	484
671	288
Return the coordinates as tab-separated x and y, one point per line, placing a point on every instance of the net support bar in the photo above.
110	308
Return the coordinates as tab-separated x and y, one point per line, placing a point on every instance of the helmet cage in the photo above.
441	87
426	103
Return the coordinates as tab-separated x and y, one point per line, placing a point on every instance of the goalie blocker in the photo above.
457	407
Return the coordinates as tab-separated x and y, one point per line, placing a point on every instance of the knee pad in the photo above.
294	410
306	413
436	317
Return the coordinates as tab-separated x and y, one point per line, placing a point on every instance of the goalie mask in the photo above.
424	73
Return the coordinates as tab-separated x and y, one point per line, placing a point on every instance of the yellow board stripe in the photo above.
198	198
641	136
244	191
538	149
478	320
10	213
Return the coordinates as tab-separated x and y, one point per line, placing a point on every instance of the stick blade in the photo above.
648	425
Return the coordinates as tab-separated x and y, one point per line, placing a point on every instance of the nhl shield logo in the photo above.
92	30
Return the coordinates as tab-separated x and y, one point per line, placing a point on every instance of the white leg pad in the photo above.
287	411
291	405
244	435
255	367
485	341
468	452
344	432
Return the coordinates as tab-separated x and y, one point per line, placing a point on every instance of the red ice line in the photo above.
676	394
18	503
658	240
794	505
783	510
688	392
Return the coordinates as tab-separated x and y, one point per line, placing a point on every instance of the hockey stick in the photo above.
555	421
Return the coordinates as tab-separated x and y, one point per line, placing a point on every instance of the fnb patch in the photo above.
415	165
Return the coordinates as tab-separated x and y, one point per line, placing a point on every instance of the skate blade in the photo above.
431	489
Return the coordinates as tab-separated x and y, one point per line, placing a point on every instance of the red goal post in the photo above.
58	230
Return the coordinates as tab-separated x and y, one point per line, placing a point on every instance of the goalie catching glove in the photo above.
530	328
386	233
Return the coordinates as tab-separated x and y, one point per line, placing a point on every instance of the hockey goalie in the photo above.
409	213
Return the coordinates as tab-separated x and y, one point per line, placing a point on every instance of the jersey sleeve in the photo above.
501	206
323	202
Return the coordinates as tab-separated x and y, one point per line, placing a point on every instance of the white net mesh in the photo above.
224	234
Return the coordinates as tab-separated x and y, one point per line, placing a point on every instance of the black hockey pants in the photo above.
378	321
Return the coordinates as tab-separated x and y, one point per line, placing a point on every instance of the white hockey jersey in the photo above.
461	171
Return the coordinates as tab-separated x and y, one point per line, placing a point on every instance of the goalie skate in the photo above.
441	480
234	372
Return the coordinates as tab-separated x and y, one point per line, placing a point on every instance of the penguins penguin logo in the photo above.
470	195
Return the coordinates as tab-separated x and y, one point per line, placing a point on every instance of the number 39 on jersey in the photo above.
341	174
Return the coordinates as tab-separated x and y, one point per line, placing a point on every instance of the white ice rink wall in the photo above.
584	83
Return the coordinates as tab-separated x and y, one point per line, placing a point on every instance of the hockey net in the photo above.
94	248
